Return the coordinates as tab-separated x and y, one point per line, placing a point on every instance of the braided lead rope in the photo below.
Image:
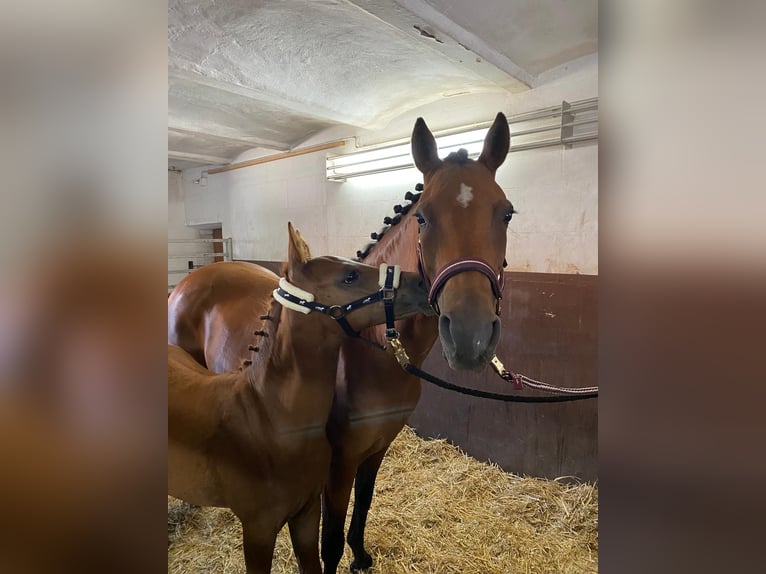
521	381
540	386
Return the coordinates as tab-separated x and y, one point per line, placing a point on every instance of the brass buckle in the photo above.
399	352
497	365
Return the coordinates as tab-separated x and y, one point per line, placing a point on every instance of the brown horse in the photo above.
213	312
254	440
457	237
461	218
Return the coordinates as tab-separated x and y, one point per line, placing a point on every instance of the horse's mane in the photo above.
389	222
459	157
264	343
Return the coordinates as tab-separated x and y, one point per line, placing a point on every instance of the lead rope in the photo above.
522	381
519	381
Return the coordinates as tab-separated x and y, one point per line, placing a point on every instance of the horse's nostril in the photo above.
495	334
444	329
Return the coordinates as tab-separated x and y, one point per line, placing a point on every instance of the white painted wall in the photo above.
554	189
204	204
177	229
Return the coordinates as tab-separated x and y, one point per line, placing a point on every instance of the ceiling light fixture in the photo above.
566	124
391	158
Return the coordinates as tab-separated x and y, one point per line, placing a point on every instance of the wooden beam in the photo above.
196	157
275	157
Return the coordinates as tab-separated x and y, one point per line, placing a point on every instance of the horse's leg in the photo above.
258	541
334	506
363	490
304	533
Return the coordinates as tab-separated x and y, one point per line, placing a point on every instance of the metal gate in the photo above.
201	253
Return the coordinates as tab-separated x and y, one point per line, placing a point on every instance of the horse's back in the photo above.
213	312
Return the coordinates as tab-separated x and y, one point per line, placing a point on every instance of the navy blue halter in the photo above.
387	294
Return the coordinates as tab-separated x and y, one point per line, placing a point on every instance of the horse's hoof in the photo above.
362	562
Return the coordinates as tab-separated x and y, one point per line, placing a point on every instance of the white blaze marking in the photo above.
465	196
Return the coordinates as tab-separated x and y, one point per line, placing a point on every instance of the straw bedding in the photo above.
435	510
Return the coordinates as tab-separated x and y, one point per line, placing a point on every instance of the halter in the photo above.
302	301
455	267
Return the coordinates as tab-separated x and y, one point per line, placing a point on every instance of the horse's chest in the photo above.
285	460
308	456
286	477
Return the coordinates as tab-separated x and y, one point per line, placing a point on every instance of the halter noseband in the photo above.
302	301
460	265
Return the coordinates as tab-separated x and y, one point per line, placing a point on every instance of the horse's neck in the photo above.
399	247
296	381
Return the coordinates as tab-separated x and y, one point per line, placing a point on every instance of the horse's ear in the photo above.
496	144
298	252
424	150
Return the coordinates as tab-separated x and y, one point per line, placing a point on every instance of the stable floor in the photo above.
435	510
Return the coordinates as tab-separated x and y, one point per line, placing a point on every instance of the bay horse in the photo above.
456	237
254	440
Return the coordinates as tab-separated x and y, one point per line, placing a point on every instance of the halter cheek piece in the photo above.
461	265
302	301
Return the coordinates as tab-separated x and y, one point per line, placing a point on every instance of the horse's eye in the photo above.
421	219
507	217
351	276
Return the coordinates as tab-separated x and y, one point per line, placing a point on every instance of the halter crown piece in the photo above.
302	301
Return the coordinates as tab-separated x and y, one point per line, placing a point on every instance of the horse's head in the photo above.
463	216
336	281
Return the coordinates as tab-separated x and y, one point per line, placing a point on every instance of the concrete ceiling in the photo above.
272	73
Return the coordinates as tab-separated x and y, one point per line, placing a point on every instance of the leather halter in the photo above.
302	301
455	267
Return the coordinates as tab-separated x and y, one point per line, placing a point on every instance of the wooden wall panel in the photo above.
549	333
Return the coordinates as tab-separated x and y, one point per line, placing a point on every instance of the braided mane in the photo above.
458	157
388	222
264	344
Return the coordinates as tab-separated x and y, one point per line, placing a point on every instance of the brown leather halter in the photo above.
460	265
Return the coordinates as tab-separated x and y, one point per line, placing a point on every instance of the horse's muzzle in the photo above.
468	338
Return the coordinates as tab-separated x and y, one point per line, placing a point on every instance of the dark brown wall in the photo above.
550	334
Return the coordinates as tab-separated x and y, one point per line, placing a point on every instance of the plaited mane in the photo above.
458	157
388	222
262	348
